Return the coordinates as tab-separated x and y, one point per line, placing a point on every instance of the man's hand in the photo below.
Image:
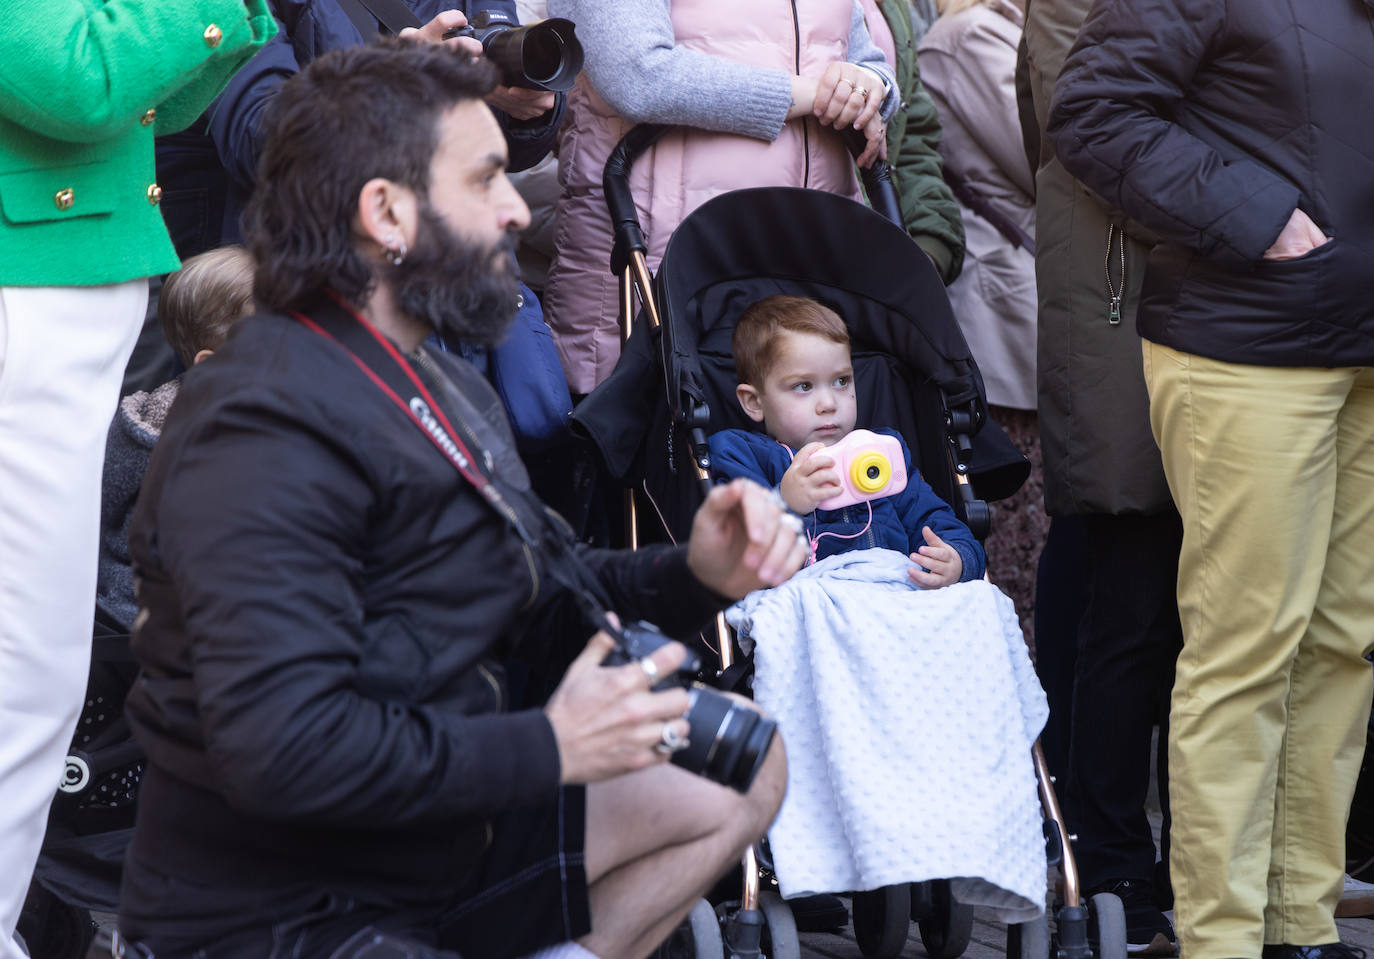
742	540
1298	237
809	480
605	719
433	32
520	103
943	561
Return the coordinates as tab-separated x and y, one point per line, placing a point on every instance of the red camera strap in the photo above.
391	373
356	336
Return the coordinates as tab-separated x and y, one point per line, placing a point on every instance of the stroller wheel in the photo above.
1029	940
882	919
1109	916
946	924
697	937
779	928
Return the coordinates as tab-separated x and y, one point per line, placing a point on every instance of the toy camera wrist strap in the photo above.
388	370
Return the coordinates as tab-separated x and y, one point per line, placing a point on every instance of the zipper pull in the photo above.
1114	313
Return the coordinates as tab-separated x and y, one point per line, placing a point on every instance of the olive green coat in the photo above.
85	85
1099	453
929	209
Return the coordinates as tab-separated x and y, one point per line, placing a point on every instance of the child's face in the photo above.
808	395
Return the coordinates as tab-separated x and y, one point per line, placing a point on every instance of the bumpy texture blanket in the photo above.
909	717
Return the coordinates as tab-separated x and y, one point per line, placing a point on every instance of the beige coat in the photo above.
968	62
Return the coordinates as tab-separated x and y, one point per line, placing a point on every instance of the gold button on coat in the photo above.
154	194
213	35
148	118
64	199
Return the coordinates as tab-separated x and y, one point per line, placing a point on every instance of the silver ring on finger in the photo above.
670	740
650	669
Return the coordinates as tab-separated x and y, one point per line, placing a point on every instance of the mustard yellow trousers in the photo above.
1272	470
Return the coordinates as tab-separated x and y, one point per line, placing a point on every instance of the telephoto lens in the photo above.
726	740
545	55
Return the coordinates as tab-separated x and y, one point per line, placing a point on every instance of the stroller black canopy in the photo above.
748	244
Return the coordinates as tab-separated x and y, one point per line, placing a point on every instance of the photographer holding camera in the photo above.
337	548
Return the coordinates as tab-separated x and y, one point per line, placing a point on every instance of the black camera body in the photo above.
542	56
727	741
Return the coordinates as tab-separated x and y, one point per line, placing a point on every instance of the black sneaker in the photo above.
1148	932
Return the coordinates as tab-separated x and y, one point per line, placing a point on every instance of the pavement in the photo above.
989	939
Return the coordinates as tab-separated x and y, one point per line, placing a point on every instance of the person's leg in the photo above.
1250	457
1060	597
62	353
656	842
1128	640
1328	700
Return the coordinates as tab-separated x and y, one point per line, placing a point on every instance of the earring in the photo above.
395	255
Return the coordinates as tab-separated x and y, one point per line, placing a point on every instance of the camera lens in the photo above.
727	742
543	56
870	472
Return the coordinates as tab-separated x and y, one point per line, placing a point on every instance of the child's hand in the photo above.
809	480
942	562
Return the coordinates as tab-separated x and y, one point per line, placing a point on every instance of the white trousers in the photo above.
62	356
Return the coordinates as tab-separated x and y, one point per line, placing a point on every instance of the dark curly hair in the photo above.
351	115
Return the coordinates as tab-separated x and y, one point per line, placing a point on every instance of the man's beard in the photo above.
464	290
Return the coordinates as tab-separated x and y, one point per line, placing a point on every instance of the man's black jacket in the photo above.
325	605
1209	121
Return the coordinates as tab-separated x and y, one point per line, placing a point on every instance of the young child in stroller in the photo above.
796	378
898	675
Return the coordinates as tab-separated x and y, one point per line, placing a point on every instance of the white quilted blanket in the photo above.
909	717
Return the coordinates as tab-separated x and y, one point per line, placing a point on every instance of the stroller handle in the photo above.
629	235
615	181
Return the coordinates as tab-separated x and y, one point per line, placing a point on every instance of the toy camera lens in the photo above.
870	472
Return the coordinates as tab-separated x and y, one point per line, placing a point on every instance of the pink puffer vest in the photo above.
687	167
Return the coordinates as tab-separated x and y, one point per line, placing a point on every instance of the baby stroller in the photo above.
675	383
91	820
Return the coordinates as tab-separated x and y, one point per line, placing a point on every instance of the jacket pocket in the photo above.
58	193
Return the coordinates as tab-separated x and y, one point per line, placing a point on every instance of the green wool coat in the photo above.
85	85
929	209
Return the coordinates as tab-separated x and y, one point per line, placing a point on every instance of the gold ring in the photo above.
846	80
862	91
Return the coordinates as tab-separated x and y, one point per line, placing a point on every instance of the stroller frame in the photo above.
742	930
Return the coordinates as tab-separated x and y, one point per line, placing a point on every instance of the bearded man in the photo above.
333	573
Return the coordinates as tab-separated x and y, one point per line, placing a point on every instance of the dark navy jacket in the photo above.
897	519
1210	121
207	172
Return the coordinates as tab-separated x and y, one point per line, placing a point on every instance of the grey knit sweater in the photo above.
635	65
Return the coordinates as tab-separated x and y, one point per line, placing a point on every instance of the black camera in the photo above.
542	56
727	741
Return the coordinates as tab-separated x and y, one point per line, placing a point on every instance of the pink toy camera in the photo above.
870	465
